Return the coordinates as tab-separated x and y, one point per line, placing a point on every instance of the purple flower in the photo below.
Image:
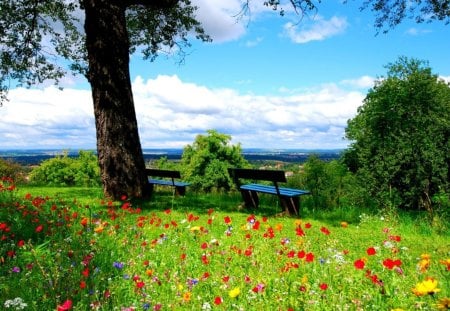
118	265
15	269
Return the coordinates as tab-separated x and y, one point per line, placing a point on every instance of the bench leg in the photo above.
291	205
180	190
250	198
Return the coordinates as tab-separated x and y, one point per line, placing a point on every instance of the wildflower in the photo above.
359	264
67	305
390	264
206	306
427	287
424	263
371	251
39	228
227	220
15	269
187	296
323	286
118	265
325	231
16	303
258	288
218	300
344	224
446	262
309	257
234	292
140	284
443	304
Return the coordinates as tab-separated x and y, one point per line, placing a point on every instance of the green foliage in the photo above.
66	171
205	163
332	186
401	137
12	170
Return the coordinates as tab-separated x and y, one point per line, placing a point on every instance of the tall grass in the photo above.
69	249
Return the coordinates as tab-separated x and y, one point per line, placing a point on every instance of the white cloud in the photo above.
219	19
320	29
416	31
171	113
363	82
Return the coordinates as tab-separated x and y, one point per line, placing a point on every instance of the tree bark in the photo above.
120	157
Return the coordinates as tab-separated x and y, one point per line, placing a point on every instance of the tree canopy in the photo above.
401	136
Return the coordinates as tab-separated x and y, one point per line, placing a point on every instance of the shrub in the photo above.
66	171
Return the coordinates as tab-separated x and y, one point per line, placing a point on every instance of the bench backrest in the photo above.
268	175
162	173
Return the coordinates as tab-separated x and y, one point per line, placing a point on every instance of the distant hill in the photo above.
36	156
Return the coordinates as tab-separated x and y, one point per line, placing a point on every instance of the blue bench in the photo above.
166	178
289	197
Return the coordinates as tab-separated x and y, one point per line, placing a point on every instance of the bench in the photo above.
289	198
169	179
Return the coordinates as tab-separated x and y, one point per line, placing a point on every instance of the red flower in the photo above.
82	284
371	251
39	228
67	305
85	272
308	225
301	254
227	220
218	300
300	231
21	243
359	264
204	245
395	238
309	257
325	231
323	286
140	284
390	264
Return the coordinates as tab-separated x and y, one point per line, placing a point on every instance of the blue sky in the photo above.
268	81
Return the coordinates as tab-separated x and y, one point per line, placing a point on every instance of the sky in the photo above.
268	81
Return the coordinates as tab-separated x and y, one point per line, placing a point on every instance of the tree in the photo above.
35	34
401	136
205	163
38	37
391	13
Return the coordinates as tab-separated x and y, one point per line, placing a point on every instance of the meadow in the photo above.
70	249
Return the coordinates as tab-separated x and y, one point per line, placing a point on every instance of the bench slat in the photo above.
168	182
289	192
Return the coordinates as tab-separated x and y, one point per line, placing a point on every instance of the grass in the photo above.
69	249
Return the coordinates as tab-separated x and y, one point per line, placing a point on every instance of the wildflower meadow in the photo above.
59	254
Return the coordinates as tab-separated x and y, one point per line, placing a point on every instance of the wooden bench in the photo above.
289	198
169	179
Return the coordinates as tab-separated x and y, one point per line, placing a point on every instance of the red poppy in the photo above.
359	264
140	284
323	286
371	251
67	305
85	272
390	264
325	231
227	220
301	254
218	300
39	228
309	257
300	231
308	225
82	284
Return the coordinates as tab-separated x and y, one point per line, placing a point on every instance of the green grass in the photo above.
202	252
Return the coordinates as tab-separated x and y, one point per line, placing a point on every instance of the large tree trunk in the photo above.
119	150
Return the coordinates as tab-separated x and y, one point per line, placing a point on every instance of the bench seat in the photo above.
286	192
164	182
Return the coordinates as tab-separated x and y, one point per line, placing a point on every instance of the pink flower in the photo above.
67	305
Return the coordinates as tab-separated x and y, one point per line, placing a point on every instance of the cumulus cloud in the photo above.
219	19
319	29
363	82
50	118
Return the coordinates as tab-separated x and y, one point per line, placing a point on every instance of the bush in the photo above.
12	170
65	171
205	163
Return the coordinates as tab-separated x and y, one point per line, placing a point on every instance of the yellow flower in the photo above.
423	265
443	304
195	228
99	229
298	222
397	309
234	292
344	224
427	287
446	262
